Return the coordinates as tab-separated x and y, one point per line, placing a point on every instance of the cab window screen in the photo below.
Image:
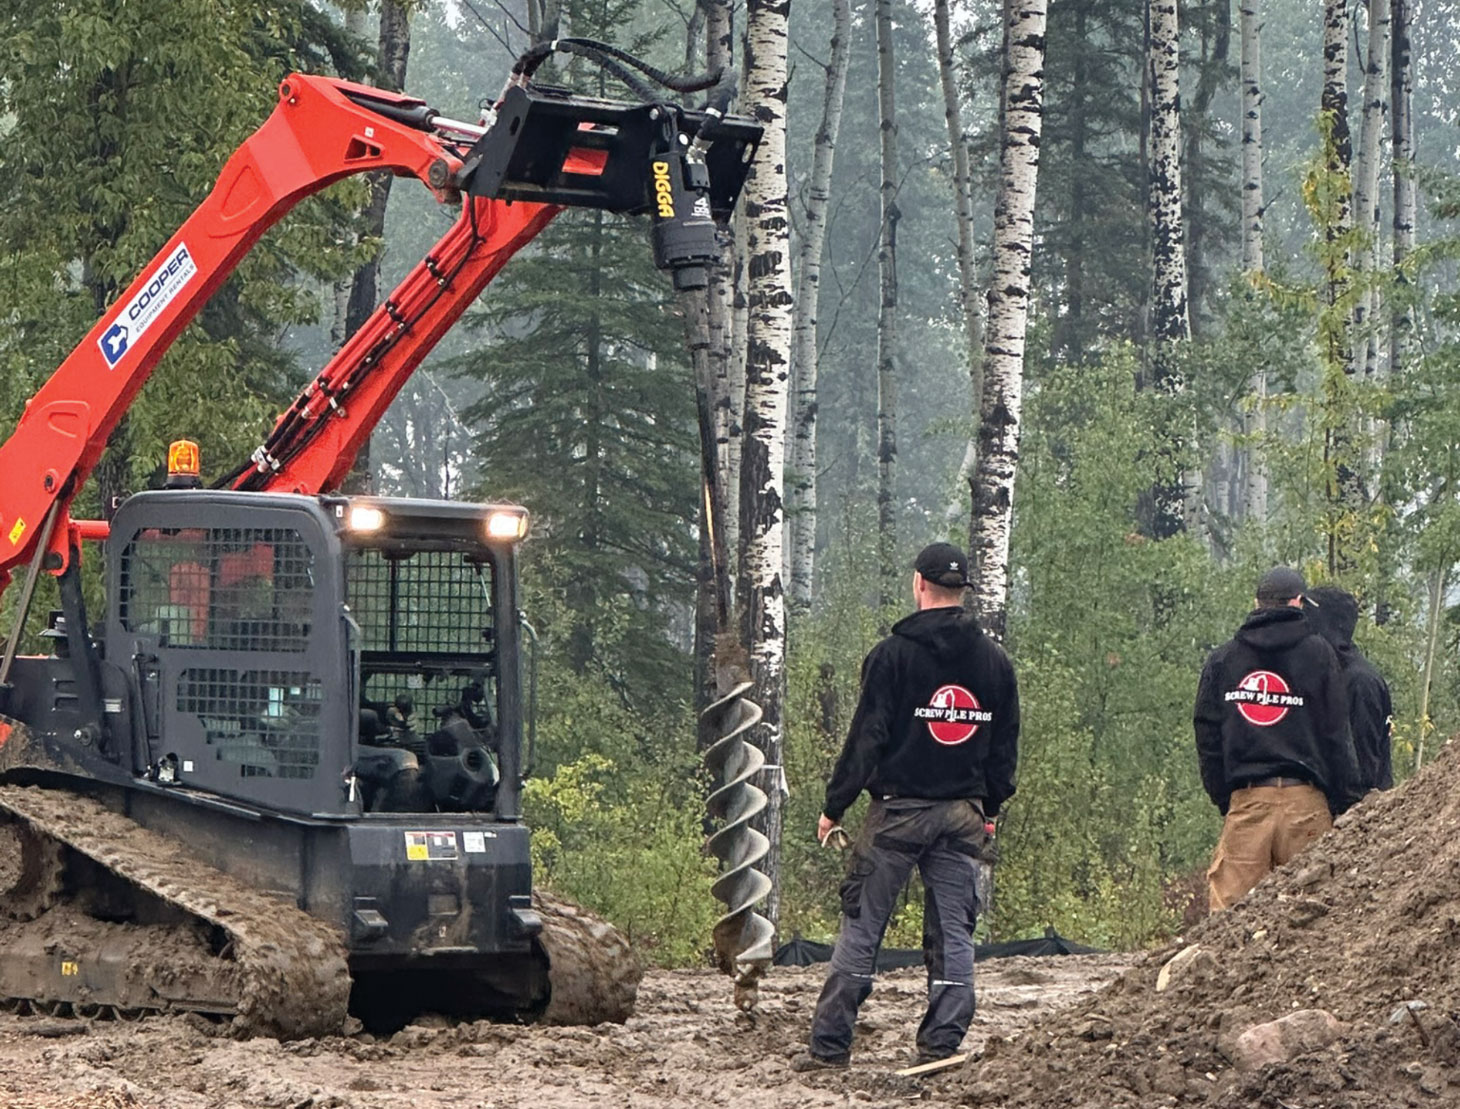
240	589
428	602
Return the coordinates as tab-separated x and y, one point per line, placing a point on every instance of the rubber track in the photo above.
592	968
295	980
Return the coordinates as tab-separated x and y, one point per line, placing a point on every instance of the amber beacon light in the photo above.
184	465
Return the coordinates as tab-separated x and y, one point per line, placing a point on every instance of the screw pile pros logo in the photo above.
953	715
1263	698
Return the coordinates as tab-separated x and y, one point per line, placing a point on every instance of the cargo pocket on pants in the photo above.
851	887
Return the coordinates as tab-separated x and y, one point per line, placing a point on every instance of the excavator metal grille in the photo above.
422	603
234	589
267	722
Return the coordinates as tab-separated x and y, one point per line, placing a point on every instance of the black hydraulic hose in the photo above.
605	54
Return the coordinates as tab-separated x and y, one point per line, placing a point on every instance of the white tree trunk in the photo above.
1401	98
1333	107
1366	180
1176	493
887	310
1170	317
808	296
1251	32
767	384
1255	467
1008	310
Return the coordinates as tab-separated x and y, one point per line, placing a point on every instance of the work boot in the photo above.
809	1062
931	1055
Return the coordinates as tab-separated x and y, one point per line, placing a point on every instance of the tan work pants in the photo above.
1265	827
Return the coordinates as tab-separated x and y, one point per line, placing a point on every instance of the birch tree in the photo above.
1250	30
1008	310
1366	180
887	309
1401	120
768	360
1331	197
1338	152
962	213
808	297
1252	203
1170	316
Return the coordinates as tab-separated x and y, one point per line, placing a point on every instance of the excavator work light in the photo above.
365	517
507	525
184	465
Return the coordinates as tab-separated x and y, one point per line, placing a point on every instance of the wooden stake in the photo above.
936	1065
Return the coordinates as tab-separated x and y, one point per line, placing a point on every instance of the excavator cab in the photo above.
320	655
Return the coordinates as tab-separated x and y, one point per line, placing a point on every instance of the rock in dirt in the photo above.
1279	1040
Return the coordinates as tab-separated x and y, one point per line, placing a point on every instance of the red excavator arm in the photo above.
539	150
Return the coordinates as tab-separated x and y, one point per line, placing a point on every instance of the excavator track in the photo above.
136	924
592	969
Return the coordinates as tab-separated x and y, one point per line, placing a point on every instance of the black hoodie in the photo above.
938	717
1370	708
1272	704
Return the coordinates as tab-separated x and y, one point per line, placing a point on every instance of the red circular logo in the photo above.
953	715
1262	705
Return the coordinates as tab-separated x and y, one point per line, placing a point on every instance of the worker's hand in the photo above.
824	827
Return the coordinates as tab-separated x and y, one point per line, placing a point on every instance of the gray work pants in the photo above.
943	839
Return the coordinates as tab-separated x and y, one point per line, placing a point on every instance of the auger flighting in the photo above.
742	936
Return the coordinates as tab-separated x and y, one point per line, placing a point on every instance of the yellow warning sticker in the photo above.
432	846
70	969
17	531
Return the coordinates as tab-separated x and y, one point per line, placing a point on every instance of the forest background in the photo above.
569	389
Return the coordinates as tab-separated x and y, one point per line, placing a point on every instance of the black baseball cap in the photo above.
1280	585
943	564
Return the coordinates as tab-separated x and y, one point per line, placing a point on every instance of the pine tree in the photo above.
586	418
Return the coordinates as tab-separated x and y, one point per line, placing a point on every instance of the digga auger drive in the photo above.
277	778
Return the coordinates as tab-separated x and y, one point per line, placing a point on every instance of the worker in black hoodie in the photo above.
1272	735
934	741
1334	614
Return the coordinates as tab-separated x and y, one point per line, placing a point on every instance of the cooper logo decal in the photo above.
953	715
142	310
1263	698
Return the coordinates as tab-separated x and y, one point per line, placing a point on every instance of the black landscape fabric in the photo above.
799	952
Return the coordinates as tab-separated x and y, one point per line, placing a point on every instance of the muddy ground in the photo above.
685	1047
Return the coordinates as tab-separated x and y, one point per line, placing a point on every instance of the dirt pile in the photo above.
1364	925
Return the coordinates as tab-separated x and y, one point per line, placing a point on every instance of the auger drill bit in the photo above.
742	936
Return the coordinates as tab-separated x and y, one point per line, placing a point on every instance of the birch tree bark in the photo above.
1401	120
802	477
887	311
1008	311
1366	181
1344	491
1250	31
962	215
767	384
1333	109
1170	316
